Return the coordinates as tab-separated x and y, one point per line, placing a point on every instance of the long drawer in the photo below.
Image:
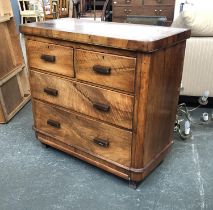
106	69
106	105
50	57
148	10
97	138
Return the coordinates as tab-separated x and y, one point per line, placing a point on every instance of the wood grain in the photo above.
79	132
160	97
163	99
81	98
63	57
122	69
84	46
11	56
114	35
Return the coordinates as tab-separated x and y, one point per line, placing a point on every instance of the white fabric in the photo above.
198	66
199	20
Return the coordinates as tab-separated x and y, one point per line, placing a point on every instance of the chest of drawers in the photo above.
123	8
105	94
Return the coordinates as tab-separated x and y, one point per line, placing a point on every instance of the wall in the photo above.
16	11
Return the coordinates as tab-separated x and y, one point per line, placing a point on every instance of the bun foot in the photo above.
133	184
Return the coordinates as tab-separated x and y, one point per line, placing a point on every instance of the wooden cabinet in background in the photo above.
123	8
112	101
14	85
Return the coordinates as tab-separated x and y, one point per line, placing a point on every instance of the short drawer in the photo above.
164	10
159	2
106	69
123	11
109	106
127	2
96	138
50	57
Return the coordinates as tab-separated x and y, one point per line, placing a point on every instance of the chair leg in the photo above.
22	20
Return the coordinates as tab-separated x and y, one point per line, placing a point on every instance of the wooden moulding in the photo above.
121	172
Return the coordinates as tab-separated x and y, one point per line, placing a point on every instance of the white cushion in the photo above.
198	19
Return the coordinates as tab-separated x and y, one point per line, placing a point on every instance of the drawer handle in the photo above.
127	11
101	107
53	123
159	1
51	91
101	142
128	1
158	12
48	58
102	69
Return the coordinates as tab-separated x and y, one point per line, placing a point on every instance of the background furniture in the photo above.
29	9
116	109
14	87
122	8
55	9
198	70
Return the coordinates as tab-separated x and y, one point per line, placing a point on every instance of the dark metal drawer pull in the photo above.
48	58
51	91
101	107
53	123
101	142
102	69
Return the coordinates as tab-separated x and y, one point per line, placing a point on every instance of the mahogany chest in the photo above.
123	8
104	93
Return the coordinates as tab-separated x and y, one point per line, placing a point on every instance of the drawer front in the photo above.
89	135
159	2
50	57
127	2
106	69
106	105
167	11
123	11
